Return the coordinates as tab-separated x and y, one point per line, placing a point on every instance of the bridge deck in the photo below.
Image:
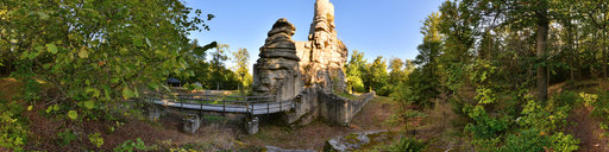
256	107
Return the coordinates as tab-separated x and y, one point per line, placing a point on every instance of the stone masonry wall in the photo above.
339	110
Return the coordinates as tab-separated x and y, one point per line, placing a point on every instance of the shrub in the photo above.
408	145
66	137
130	146
528	140
96	139
13	131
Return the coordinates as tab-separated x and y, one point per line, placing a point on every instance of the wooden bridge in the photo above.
253	105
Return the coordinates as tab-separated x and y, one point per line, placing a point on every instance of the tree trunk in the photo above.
542	35
571	51
604	56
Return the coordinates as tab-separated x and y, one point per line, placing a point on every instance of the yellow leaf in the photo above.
83	53
29	108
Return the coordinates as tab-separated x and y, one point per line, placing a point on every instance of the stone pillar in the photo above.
153	112
277	72
324	55
191	123
252	125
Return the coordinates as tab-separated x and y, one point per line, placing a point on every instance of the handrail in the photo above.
248	104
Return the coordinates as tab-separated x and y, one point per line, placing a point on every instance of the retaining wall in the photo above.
314	103
340	110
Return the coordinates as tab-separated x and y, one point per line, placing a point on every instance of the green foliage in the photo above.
31	90
378	76
546	118
13	130
241	57
485	126
355	71
72	115
96	139
408	145
66	137
96	51
130	146
564	143
601	107
528	140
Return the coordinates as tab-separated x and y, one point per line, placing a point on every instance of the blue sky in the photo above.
388	28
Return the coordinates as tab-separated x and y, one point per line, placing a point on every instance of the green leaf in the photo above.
90	104
83	53
51	48
127	93
95	92
72	114
153	85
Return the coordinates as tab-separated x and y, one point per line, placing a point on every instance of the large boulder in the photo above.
358	141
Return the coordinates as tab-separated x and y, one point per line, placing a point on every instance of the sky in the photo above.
388	28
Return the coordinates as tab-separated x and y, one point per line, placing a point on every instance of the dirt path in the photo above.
587	129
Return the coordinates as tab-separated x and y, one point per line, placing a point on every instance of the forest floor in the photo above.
583	125
587	129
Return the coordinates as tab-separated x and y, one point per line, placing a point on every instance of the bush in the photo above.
528	140
130	146
96	139
13	131
408	145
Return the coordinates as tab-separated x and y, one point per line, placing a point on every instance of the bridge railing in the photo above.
234	104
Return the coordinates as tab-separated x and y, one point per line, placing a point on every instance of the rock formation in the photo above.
306	73
277	70
324	55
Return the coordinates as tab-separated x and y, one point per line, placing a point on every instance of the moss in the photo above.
352	138
346	95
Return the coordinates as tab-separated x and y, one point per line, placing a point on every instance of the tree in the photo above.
429	51
396	75
355	71
241	57
94	51
378	76
218	71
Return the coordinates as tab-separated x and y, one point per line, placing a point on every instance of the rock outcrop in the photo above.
277	71
358	141
324	55
306	73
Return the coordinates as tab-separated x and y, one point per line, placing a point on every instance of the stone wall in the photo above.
339	110
306	108
315	103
